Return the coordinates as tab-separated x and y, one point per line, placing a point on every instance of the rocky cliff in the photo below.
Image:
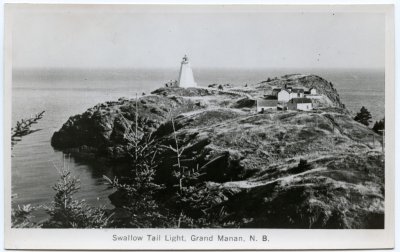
317	169
108	129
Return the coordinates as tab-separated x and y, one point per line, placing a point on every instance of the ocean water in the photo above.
63	93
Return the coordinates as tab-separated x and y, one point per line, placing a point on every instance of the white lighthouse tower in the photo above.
186	74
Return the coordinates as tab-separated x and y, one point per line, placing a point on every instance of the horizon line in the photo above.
194	68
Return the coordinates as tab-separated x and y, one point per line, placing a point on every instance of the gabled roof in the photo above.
267	103
270	97
293	90
286	90
300	100
297	90
309	90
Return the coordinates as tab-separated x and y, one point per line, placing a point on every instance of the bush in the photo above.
203	207
301	167
21	217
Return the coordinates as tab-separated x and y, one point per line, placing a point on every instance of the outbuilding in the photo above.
304	104
264	104
297	93
311	91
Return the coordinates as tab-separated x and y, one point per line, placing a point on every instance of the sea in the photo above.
66	92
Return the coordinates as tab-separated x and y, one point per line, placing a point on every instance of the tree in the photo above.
66	212
379	126
364	116
23	128
21	215
137	192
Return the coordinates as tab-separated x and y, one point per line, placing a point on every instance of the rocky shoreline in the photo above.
278	169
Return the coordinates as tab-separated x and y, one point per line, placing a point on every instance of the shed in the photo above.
304	104
311	91
264	104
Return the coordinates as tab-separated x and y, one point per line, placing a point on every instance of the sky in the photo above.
222	37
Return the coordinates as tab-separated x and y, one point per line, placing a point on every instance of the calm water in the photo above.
66	93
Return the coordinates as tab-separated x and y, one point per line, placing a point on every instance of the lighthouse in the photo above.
186	74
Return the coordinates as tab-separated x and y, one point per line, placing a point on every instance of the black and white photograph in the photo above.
199	117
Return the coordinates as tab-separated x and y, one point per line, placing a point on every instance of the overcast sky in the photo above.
129	37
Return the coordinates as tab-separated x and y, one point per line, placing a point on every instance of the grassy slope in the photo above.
253	160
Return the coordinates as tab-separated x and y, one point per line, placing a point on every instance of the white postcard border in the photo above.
277	238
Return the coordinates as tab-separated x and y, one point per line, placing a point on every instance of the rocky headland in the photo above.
278	169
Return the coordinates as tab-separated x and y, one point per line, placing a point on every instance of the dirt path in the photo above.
251	184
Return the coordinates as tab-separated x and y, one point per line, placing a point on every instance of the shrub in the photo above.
21	217
203	207
301	167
